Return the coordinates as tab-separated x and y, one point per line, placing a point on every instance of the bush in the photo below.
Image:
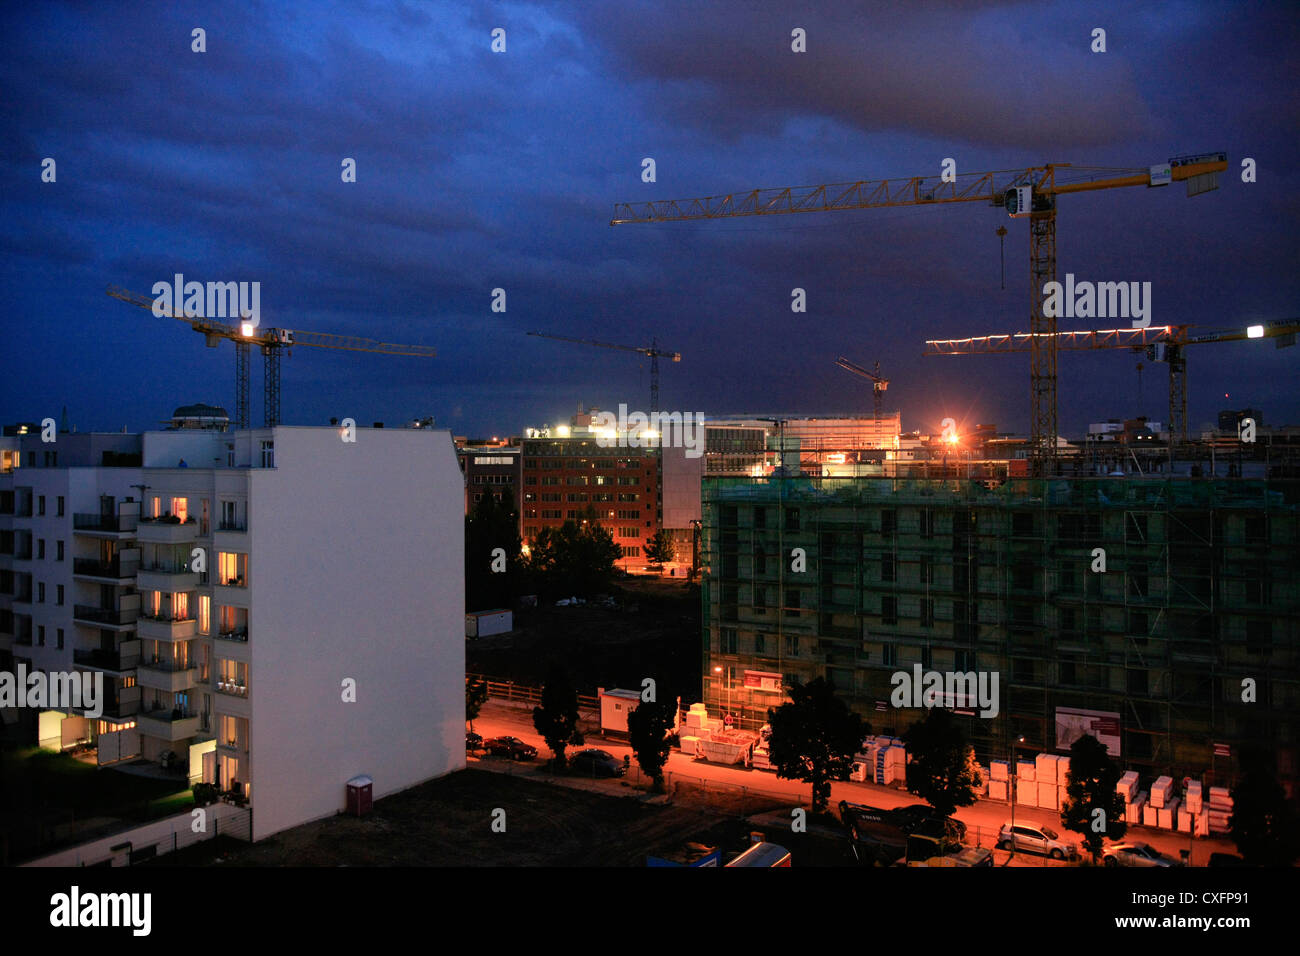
205	793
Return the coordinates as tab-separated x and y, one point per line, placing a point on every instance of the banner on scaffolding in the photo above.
1072	723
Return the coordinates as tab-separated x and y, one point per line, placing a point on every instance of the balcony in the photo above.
238	636
169	725
166	628
232	688
167	530
119	661
166	675
115	571
113	525
167	578
105	617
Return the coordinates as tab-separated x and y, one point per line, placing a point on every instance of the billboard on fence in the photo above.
1072	723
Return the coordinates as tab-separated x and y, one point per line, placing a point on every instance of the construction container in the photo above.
487	623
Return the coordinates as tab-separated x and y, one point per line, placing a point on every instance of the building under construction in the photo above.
1186	646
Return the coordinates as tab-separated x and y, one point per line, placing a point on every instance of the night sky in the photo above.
478	170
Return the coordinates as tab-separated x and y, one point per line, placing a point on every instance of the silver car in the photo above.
1036	839
1136	854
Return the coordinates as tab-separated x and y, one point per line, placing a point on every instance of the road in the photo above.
982	820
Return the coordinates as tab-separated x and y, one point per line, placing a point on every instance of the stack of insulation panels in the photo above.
1161	792
1134	800
999	774
1219	809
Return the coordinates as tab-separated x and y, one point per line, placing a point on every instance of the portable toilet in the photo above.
361	790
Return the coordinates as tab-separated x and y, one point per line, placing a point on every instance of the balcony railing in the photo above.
231	526
239	634
233	688
94	522
168	618
107	660
167	666
93	567
166	519
105	615
166	567
166	715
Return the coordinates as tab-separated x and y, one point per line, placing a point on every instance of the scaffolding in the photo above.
1199	595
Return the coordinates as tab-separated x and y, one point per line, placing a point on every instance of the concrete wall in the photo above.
158	833
681	489
356	571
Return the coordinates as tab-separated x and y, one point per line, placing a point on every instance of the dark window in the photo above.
888	520
791	519
889	609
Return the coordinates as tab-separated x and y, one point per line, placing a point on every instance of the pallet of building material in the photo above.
1045	768
999	770
1025	771
1202	827
1150	815
1193	797
1167	814
1220	797
1062	770
997	789
1046	796
859	772
1133	810
1185	818
1128	786
689	744
1161	791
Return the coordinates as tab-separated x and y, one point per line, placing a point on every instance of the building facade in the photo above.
276	622
1197	607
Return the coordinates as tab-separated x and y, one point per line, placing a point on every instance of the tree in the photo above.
1263	823
491	525
647	730
814	738
557	717
659	549
1091	788
476	694
942	771
576	558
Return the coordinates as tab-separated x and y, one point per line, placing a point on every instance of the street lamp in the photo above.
1019	740
717	669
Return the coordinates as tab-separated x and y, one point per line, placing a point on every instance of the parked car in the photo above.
597	763
473	742
1036	839
1226	859
1136	854
509	747
925	819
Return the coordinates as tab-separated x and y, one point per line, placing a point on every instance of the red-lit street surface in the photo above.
982	820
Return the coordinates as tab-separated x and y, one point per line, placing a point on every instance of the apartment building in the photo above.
278	609
1197	604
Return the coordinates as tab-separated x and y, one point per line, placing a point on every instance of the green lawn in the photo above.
37	786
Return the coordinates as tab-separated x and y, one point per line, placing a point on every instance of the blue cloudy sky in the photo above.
478	170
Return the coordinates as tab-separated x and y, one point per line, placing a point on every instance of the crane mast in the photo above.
1026	193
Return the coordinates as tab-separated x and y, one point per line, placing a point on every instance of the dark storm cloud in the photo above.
478	170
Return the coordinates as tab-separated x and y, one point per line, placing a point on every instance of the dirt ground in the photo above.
448	822
654	633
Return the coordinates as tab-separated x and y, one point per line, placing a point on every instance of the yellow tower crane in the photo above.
273	342
1025	193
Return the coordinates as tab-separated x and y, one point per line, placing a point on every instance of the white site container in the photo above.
487	623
